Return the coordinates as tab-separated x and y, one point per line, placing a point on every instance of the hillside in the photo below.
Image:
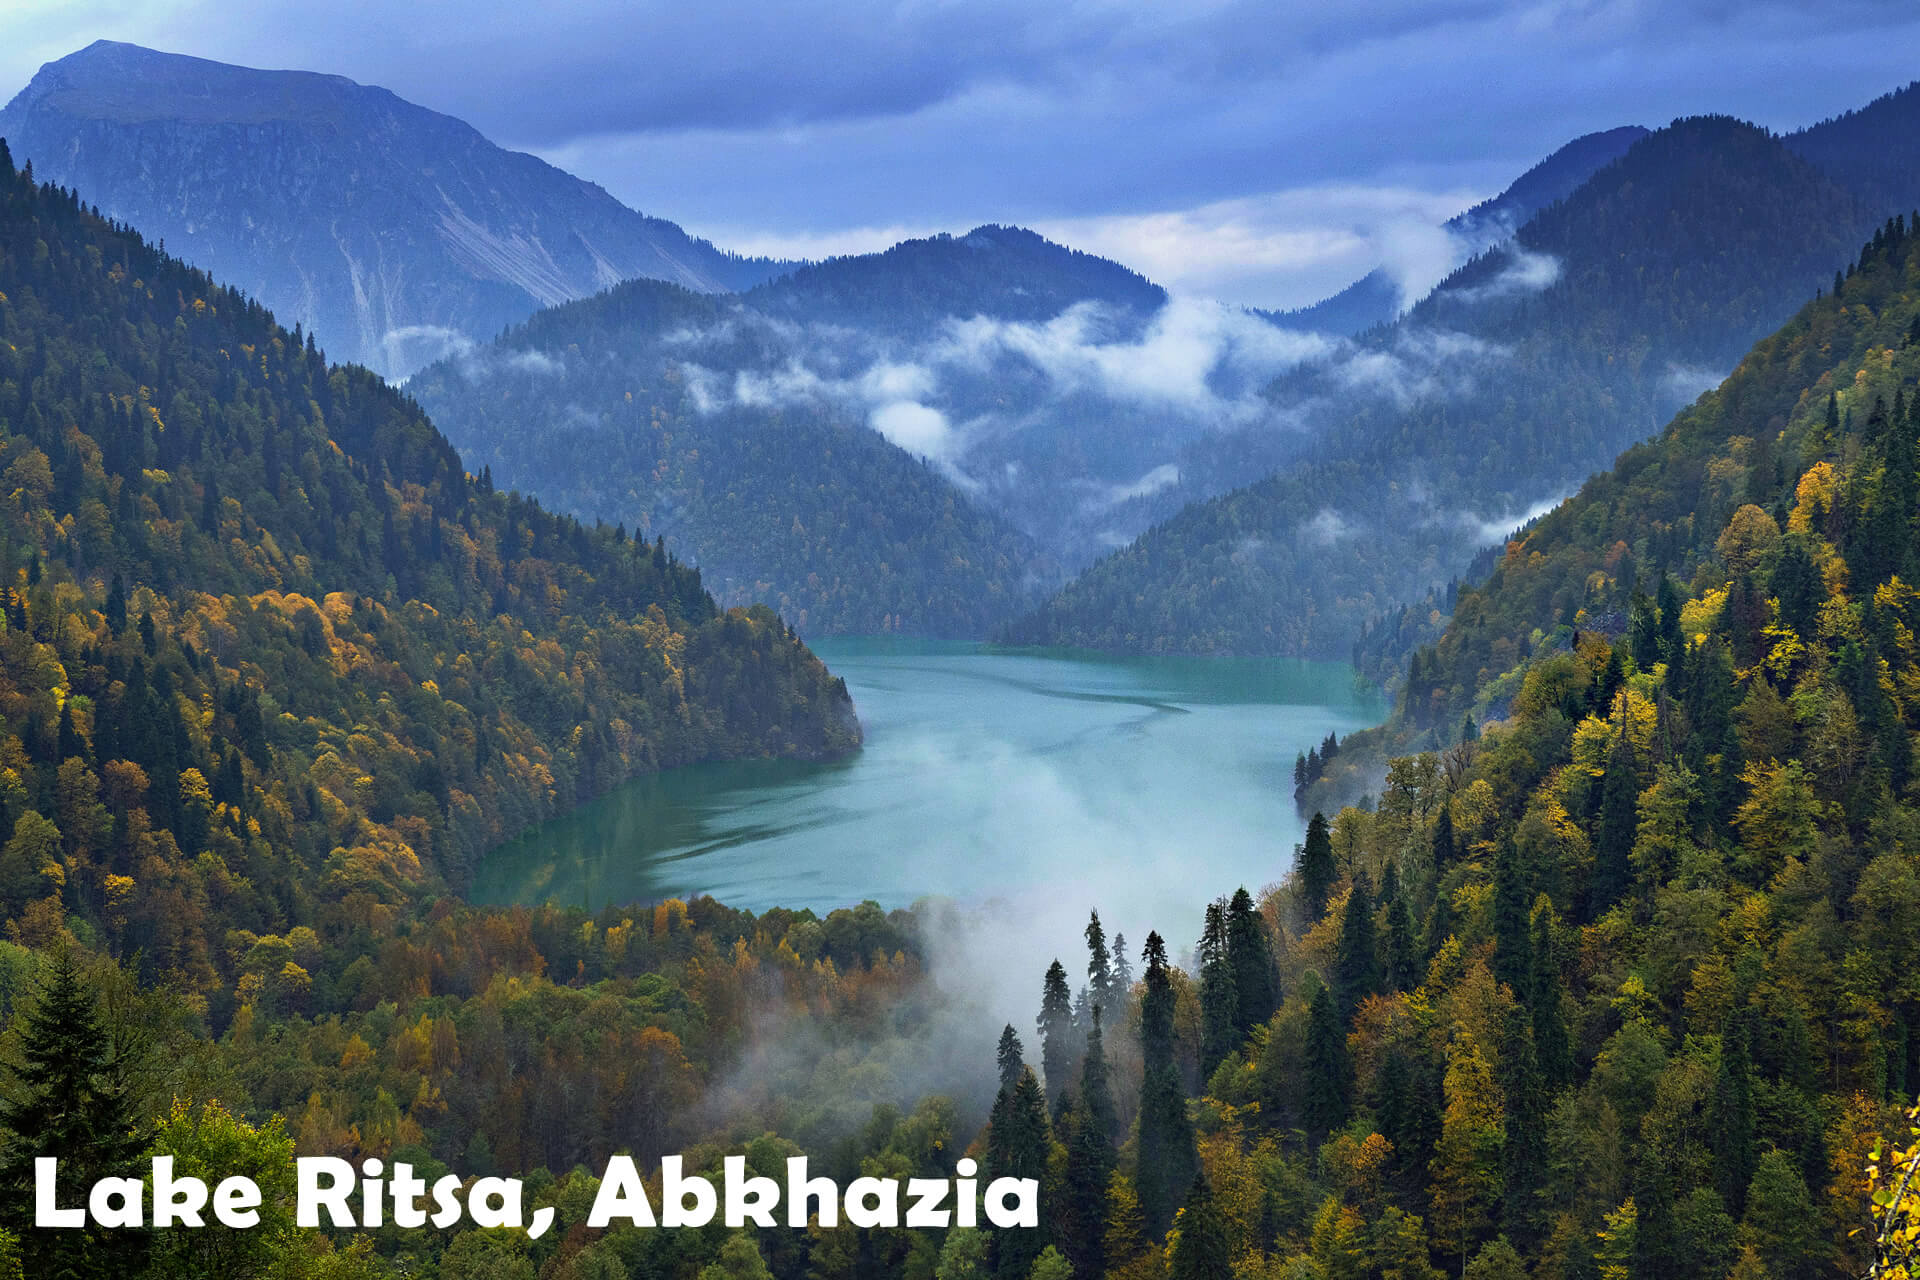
1522	372
1613	973
389	231
271	657
604	407
1375	299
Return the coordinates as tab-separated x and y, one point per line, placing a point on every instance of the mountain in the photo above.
270	656
1613	975
1874	150
1498	393
874	443
1375	299
390	231
790	502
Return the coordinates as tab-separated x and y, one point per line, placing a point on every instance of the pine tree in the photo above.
1673	643
1613	837
1512	937
1056	1030
1250	957
1021	1151
73	1102
1219	999
116	610
1523	1166
1327	1068
1099	963
1553	1049
1009	1058
1445	852
1168	1159
1730	1112
1317	869
1203	1250
1090	1161
1357	962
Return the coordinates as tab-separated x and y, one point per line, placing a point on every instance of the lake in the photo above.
1143	784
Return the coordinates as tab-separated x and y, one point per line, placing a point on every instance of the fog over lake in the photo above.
1142	786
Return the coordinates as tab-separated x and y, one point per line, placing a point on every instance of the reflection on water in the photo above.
986	773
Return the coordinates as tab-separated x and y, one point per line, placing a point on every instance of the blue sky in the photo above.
1263	153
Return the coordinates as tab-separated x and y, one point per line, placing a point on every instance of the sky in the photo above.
1260	153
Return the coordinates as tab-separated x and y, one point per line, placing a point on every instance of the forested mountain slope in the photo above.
1504	388
1375	299
391	231
271	657
1615	974
602	407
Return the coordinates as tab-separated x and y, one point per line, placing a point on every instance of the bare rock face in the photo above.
394	233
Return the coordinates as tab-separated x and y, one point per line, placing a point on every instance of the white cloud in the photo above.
916	428
1283	248
1189	348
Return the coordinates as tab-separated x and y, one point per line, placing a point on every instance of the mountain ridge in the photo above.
392	230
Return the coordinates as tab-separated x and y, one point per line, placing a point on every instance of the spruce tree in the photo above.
1328	1089
1730	1112
1219	999
1099	962
1317	869
1614	835
1512	935
1552	1048
72	1103
1168	1159
1357	962
1444	849
1021	1152
1250	956
1056	1029
1203	1250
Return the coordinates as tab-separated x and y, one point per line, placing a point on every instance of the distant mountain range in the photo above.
393	232
1377	299
1522	373
935	438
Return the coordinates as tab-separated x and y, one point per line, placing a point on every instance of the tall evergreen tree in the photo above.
72	1103
1328	1070
1219	997
1167	1156
1512	935
1552	1048
1056	1030
1357	962
1021	1152
1099	963
1250	956
1317	869
1204	1250
1614	834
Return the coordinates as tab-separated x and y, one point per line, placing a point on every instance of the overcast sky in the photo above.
1260	152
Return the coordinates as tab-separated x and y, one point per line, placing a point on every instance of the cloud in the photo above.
1525	272
1422	363
915	428
1284	248
1686	382
1497	529
1164	476
1195	355
1327	528
1187	135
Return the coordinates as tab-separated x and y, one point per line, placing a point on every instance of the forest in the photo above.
1609	975
1529	367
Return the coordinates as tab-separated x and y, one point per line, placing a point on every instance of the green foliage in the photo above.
1654	277
356	668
